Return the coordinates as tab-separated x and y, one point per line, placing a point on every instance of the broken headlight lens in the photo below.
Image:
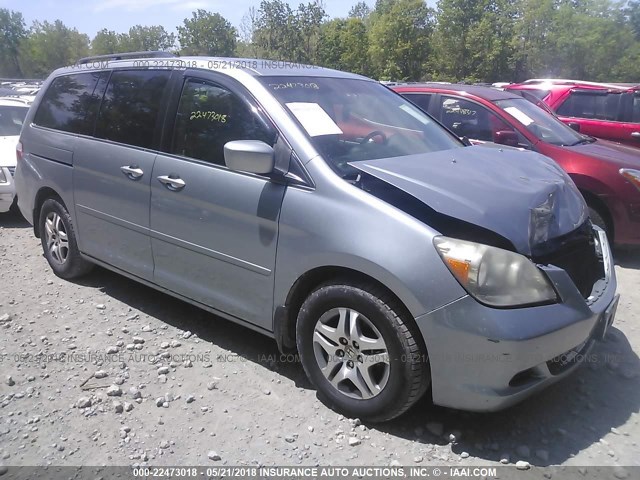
494	276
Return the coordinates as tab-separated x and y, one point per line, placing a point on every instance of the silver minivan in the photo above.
327	212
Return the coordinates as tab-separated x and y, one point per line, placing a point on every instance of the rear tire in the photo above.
362	351
58	238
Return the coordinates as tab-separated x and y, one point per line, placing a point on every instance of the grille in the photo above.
577	255
12	171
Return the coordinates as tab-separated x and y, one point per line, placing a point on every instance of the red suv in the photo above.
607	173
602	110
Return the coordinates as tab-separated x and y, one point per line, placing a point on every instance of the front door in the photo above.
214	231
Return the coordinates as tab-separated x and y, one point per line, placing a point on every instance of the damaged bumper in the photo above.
486	359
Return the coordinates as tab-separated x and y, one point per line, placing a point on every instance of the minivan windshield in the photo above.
350	120
542	124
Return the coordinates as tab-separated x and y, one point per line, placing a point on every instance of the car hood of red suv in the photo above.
620	155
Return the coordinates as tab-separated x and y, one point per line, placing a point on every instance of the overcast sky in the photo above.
91	16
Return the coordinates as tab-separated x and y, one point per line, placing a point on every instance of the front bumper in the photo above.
7	190
486	359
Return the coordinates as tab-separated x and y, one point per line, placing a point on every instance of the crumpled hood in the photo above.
622	156
8	151
523	196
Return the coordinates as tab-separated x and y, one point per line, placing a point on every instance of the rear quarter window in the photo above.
130	108
635	114
595	105
70	103
422	100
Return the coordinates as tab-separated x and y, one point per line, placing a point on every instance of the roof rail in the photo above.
563	81
121	56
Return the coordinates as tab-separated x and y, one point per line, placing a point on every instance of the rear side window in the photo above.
208	117
422	100
70	102
11	119
635	114
468	119
596	105
129	110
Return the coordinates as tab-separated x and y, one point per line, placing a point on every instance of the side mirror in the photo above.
251	156
574	126
506	137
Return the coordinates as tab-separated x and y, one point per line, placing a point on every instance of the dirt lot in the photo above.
105	371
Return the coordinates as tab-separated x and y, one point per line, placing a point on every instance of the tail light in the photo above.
19	151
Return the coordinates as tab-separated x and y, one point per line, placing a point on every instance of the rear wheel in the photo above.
361	351
59	241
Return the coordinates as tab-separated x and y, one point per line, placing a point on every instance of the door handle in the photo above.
636	135
172	182
134	172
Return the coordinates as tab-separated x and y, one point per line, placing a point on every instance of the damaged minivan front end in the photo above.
539	276
490	249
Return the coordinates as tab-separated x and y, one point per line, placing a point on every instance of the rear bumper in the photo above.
486	359
7	191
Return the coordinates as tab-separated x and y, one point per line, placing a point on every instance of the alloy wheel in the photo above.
351	353
57	238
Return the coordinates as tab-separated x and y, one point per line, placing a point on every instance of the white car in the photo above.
12	113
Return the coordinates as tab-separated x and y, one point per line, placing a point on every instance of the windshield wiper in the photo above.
586	139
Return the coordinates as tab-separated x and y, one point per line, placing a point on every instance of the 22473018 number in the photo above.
209	115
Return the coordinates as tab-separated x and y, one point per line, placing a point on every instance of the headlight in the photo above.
494	276
3	177
632	175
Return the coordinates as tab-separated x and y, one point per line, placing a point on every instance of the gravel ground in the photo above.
104	371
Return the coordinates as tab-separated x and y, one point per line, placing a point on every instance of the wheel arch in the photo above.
44	193
286	315
601	207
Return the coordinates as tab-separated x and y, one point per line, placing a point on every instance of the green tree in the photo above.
399	39
360	11
49	46
142	38
276	33
282	33
246	46
633	16
12	32
106	42
207	33
473	40
308	21
344	45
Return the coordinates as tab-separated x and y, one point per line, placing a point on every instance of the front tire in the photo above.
598	219
59	241
362	351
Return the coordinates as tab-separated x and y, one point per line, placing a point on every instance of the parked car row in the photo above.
607	173
608	111
13	110
26	89
330	213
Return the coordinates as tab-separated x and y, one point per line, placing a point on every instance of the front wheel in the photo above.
59	241
598	220
362	351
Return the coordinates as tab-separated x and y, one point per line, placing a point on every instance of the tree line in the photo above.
400	40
